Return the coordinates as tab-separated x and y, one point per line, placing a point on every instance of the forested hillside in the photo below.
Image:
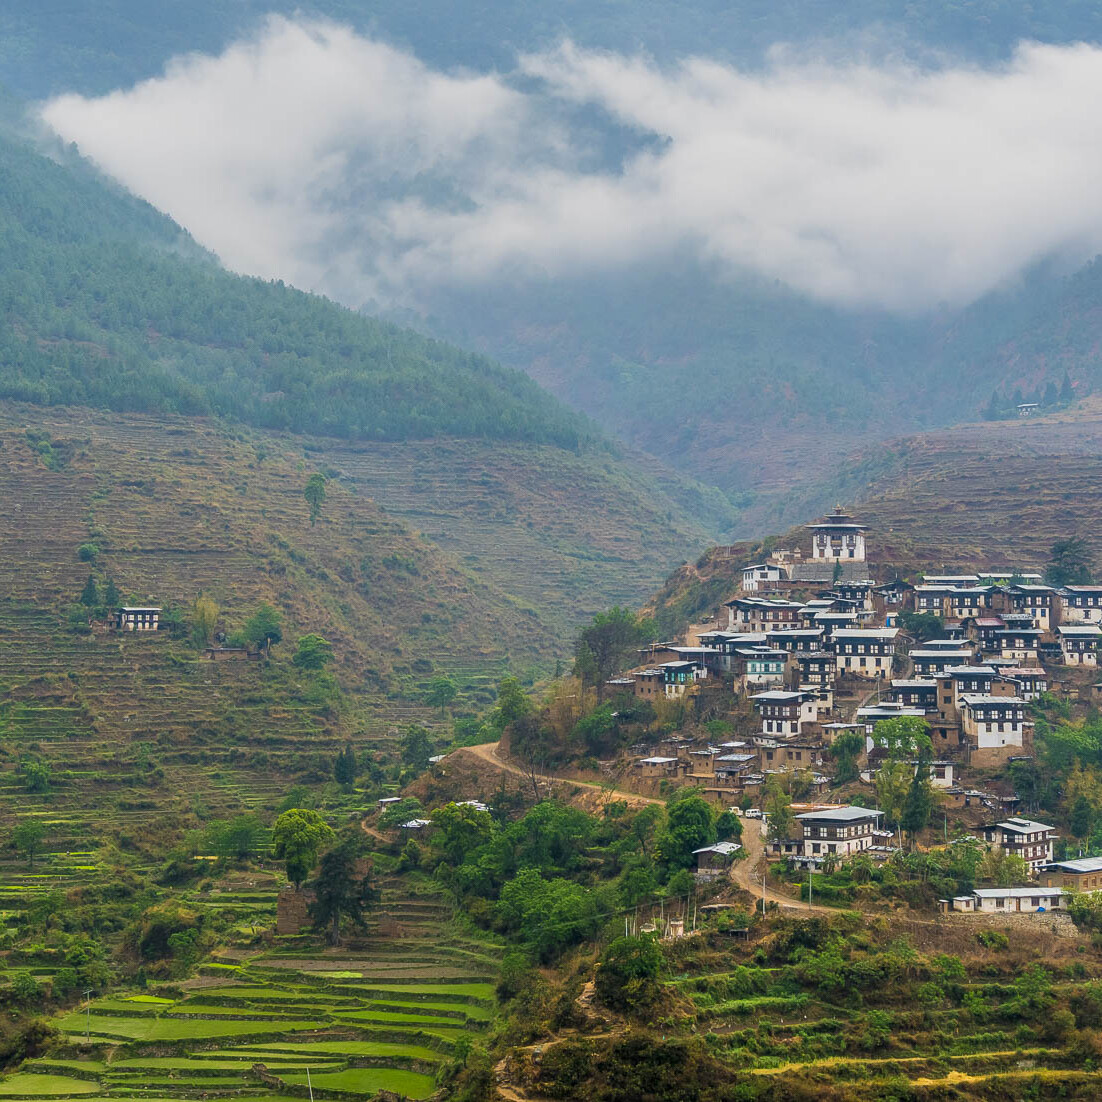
109	304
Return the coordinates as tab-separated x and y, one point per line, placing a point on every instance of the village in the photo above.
816	648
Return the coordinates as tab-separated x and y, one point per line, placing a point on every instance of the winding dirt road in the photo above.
746	873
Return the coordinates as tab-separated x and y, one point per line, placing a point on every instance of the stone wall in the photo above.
292	914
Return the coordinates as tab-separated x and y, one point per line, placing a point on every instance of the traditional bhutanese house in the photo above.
795	640
950	579
895	595
702	762
762	614
839	830
832	620
942	774
777	755
1081	604
954	682
933	600
761	576
1081	874
1079	643
915	693
785	714
1005	577
679	677
138	618
838	537
994	722
676	746
871	714
649	684
969	601
757	666
814	669
983	630
1039	601
724	644
832	730
732	769
715	860
1031	680
657	766
999	901
1021	644
1024	838
867	652
930	660
616	685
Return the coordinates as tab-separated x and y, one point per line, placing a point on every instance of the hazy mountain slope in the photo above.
70	45
995	492
111	305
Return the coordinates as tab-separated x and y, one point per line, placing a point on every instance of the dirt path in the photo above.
747	872
488	752
744	873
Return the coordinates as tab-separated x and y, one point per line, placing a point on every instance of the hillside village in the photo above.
824	646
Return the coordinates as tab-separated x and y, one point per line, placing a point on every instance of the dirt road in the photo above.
744	873
747	872
488	752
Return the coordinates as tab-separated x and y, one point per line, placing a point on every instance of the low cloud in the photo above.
344	165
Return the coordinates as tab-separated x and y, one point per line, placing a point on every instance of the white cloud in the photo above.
344	165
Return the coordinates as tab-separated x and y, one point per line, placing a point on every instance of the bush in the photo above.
628	975
87	552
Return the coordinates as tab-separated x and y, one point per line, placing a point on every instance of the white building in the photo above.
839	830
785	714
1079	643
761	576
838	538
1024	838
993	721
867	652
1007	901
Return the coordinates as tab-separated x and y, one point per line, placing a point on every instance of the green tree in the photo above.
442	693
1070	562
609	645
893	783
264	627
461	830
728	827
204	619
919	802
629	975
111	597
1081	818
1004	870
845	750
345	766
904	737
781	823
312	652
238	838
87	552
417	748
342	889
27	839
297	837
314	492
36	775
89	595
512	706
690	824
921	625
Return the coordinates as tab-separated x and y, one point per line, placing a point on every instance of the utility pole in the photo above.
809	887
310	1085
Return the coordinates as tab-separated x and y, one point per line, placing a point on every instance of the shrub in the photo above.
628	975
87	552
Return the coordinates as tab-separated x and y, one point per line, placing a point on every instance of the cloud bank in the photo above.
344	165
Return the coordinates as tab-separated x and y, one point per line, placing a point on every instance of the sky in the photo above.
343	165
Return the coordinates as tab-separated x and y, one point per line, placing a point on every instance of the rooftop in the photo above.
848	814
1078	864
1017	893
1023	826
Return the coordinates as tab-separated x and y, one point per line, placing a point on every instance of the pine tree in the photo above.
1052	395
111	598
89	596
344	765
1067	391
994	407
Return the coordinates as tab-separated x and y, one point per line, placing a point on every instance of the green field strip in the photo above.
179	1029
367	1081
31	1085
349	1049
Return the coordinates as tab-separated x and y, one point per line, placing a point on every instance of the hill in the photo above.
994	492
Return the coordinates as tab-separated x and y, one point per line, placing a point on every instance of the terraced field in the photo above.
913	1010
387	1013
